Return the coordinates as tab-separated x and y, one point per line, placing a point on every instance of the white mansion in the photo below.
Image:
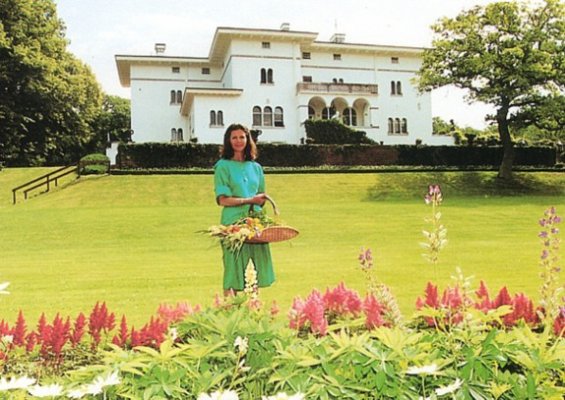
273	80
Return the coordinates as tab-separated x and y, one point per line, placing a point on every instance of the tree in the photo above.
48	98
112	123
504	54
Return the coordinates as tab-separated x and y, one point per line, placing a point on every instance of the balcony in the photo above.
353	88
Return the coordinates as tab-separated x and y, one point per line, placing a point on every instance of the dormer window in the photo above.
306	55
337	57
205	71
266	45
175	70
394	60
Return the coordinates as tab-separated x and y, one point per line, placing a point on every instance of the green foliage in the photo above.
49	98
333	131
505	54
112	124
93	164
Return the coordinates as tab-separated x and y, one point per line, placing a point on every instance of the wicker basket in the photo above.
276	233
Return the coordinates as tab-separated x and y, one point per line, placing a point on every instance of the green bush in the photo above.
94	164
332	131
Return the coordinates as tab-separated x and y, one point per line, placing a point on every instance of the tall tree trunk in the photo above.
505	169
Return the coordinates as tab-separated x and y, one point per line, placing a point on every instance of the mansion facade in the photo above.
274	80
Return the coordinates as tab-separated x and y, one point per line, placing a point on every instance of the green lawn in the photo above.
131	240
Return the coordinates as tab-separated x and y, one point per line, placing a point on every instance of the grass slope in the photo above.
131	240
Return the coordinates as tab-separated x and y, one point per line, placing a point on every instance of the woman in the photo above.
239	185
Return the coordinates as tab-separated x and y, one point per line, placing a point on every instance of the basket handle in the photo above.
270	200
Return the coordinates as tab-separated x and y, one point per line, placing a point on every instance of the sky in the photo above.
100	29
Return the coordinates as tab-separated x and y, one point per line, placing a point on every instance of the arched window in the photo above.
173	97
212	118
397	125
404	126
279	117
334	80
179	97
311	112
220	119
269	75
263	75
340	80
392	87
390	126
328	112
173	135
268	116
398	88
257	116
179	135
350	117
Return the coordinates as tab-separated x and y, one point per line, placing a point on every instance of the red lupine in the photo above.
341	301
374	312
151	334
100	321
4	328
19	331
485	303
78	330
121	338
522	309
559	323
31	341
431	300
502	299
309	313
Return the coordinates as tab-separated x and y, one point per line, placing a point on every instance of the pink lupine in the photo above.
171	314
522	309
559	323
374	312
485	303
274	309
341	301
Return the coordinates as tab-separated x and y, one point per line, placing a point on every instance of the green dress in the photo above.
242	179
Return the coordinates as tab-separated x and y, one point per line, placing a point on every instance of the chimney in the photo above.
285	26
160	48
338	38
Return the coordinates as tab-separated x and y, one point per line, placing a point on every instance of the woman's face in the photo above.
238	140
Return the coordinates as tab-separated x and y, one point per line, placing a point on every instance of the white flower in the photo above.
242	344
284	396
45	391
173	334
8	339
22	382
100	382
76	393
449	388
423	370
3	287
220	395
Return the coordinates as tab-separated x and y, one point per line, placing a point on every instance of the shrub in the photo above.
93	164
332	131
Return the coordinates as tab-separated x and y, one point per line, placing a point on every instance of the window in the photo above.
268	116
212	118
396	88
263	75
173	97
279	117
307	78
179	97
337	57
311	112
266	45
340	80
397	125
404	126
394	60
173	135
205	71
306	55
328	112
269	75
216	118
220	118
175	70
257	116
334	80
390	126
350	117
179	135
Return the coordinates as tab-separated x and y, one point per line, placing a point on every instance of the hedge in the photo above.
190	155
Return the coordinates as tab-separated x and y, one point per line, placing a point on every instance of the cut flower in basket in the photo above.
257	227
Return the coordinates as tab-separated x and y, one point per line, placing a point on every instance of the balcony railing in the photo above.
354	88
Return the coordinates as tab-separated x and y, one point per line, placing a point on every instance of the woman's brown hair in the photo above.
250	151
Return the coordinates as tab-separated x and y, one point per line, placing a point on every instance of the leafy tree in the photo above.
48	98
504	54
113	123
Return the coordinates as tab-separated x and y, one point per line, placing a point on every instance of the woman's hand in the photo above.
258	199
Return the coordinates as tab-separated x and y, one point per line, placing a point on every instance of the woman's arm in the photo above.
230	201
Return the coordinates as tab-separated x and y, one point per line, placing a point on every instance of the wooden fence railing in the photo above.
52	178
